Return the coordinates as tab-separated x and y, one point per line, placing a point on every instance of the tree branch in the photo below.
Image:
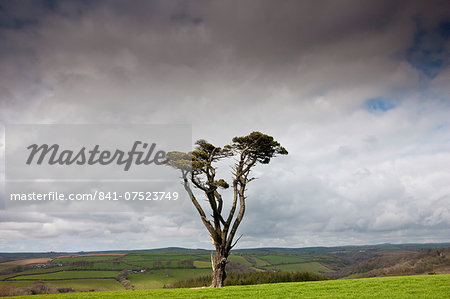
205	220
239	217
234	244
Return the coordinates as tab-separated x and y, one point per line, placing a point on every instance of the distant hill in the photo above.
345	250
390	263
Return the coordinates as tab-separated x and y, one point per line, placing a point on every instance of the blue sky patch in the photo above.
444	30
377	105
439	127
427	51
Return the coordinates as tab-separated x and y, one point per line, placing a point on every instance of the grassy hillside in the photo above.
435	261
425	286
158	278
155	268
146	269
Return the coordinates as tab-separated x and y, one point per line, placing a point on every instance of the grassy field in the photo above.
282	259
158	278
202	264
239	259
17	283
259	262
31	271
83	285
313	267
162	257
425	286
79	285
68	275
93	258
105	266
6	266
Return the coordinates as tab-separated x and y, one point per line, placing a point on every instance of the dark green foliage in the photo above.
198	159
205	150
222	183
250	278
179	160
258	146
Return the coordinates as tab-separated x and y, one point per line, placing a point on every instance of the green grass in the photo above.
162	257
425	286
354	275
154	263
82	285
4	267
158	278
239	259
145	263
106	266
65	260
162	260
17	283
260	262
69	275
202	265
313	267
33	271
282	259
79	285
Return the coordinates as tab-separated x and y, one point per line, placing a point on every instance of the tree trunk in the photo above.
219	274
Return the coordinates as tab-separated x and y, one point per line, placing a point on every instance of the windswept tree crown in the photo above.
256	147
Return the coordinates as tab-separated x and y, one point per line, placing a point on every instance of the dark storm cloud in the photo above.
356	90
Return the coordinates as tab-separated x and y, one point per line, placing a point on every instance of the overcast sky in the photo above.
357	91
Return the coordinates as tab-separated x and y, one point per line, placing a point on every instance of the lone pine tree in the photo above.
198	170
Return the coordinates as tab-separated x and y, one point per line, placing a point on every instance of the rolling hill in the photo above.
157	268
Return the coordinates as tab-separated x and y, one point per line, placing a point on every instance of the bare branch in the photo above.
205	220
219	200
232	210
239	217
235	242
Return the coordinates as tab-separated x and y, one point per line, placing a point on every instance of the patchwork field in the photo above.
313	267
153	269
62	275
158	278
28	261
145	270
